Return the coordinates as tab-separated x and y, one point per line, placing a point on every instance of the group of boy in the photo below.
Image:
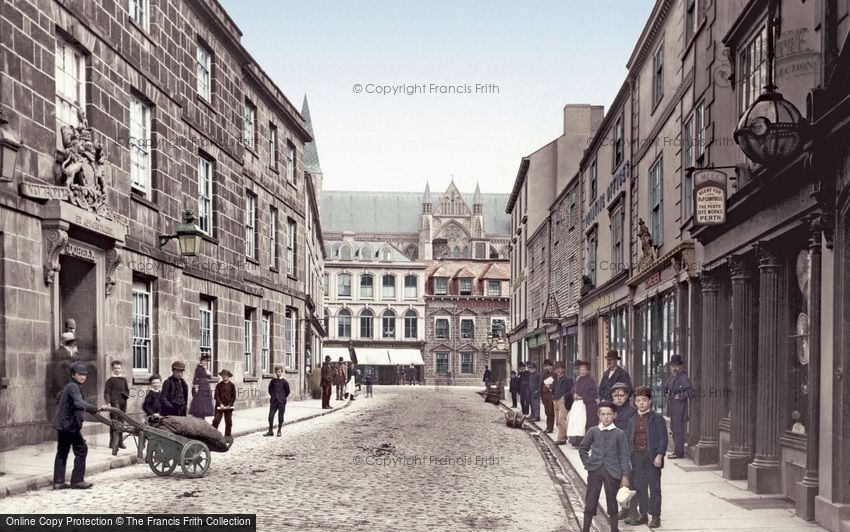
553	388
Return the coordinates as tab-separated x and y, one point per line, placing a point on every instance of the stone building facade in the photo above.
123	120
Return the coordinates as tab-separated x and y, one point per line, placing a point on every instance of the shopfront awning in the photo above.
371	356
335	353
405	357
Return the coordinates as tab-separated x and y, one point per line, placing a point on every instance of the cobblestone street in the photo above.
410	458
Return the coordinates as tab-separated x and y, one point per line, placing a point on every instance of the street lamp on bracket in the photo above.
188	236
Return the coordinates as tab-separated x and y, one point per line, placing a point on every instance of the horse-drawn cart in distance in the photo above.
170	440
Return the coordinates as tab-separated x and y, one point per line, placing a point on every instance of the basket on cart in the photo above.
514	419
494	393
162	448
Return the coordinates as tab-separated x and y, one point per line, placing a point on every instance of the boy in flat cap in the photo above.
225	399
175	392
647	435
69	424
116	392
625	412
607	464
153	399
612	375
514	388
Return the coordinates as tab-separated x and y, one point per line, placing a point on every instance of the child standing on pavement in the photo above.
607	464
116	392
225	399
514	388
278	392
370	380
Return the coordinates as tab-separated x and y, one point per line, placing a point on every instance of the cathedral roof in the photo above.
397	212
311	152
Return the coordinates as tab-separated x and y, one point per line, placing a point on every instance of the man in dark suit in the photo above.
523	388
612	375
486	378
278	392
327	382
175	392
562	397
69	423
546	395
535	382
678	390
58	370
647	436
153	403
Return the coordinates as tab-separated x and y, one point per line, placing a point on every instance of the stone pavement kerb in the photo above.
31	466
697	498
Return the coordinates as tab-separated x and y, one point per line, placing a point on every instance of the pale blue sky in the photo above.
541	55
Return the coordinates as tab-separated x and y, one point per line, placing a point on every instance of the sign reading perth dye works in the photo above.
709	197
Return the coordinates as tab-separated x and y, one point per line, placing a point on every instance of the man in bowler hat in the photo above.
546	395
523	388
69	424
678	390
535	382
175	392
612	375
562	397
328	374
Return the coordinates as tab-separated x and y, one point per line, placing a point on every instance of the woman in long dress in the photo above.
349	386
202	397
583	413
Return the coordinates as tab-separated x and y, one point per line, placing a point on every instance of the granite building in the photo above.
113	122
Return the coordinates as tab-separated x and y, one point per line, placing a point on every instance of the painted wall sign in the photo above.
652	280
709	197
600	203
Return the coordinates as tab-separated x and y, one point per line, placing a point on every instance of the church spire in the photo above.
476	198
311	153
426	199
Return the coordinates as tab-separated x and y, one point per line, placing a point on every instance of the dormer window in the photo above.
465	286
386	254
345	252
441	286
365	253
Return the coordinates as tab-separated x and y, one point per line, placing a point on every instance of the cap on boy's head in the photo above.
579	363
67	337
677	360
278	367
179	366
155	377
645	391
327	358
532	365
205	356
224	372
620	386
522	364
560	364
607	404
547	362
612	355
513	372
79	369
340	359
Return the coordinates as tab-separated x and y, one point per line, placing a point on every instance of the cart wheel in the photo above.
161	463
195	459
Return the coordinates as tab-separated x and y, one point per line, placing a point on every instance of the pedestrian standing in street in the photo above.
225	401
370	380
278	393
327	382
152	404
548	378
625	412
397	374
535	382
612	375
678	390
523	388
349	384
342	378
486	378
607	465
202	397
411	375
69	424
175	391
116	392
583	413
647	436
514	388
562	397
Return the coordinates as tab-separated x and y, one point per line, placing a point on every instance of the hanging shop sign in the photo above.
709	197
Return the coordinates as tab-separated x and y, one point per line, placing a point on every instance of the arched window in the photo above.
366	320
343	285
411	324
386	254
388	324
345	252
327	321
366	253
367	284
388	286
344	323
456	252
410	287
465	252
327	284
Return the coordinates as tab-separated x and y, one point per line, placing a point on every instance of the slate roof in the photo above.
311	152
398	212
356	247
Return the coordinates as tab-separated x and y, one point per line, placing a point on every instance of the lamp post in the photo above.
771	131
188	236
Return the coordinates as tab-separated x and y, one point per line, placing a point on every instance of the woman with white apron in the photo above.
583	412
349	386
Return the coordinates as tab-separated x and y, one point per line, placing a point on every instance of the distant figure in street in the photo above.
625	412
349	384
69	423
562	397
523	388
486	378
607	465
397	374
411	375
175	391
278	392
678	390
327	382
202	397
152	404
514	388
548	379
370	381
647	436
583	413
612	375
342	378
116	392
358	378
535	382
225	401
